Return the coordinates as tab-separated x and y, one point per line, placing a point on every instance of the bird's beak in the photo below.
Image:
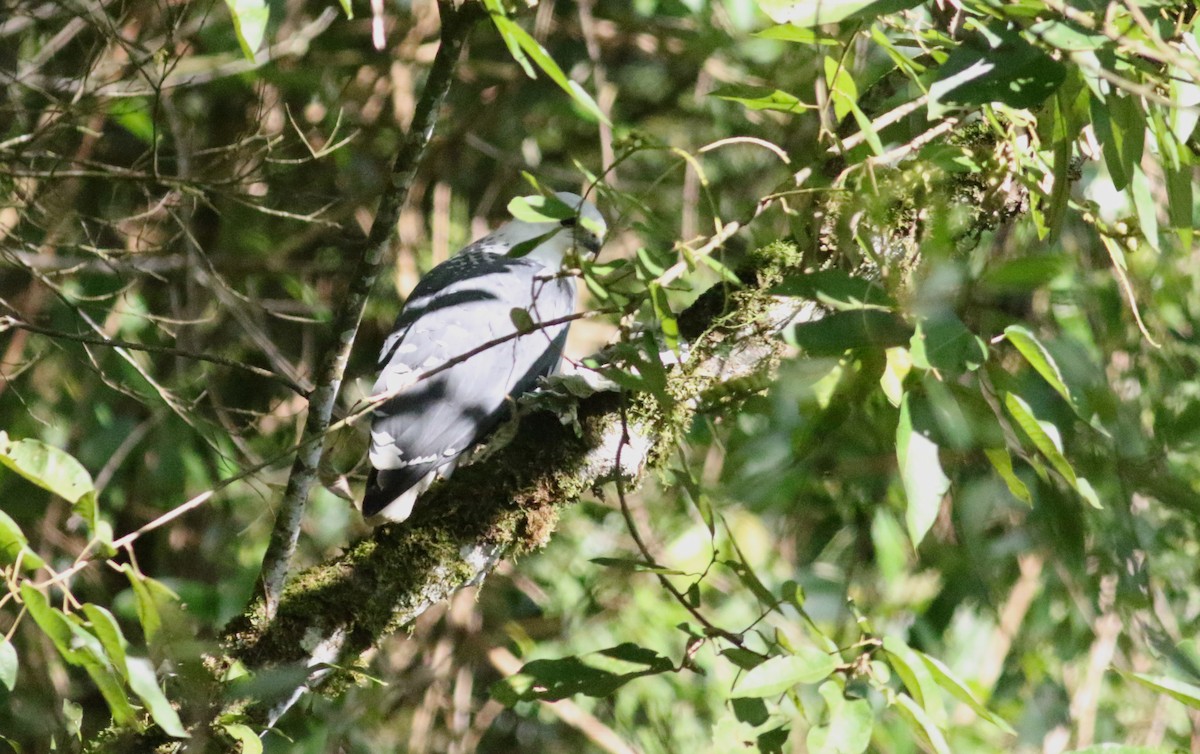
590	242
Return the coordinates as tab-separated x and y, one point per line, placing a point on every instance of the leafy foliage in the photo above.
961	489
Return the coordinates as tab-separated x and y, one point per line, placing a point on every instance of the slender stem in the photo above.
7	322
456	25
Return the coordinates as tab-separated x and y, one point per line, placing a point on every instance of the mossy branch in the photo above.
456	26
509	502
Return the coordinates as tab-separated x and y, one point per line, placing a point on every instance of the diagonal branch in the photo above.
509	502
456	25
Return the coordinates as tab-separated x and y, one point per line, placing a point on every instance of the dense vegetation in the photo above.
897	310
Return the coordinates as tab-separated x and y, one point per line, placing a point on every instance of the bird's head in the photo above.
550	241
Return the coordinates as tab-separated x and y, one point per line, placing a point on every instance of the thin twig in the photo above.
7	322
456	24
709	628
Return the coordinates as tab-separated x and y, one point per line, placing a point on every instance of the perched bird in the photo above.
463	306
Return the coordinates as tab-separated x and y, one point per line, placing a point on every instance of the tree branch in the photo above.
509	503
456	25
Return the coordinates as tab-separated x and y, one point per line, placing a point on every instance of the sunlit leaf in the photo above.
14	545
1121	130
1038	357
518	38
630	564
52	622
912	713
916	677
848	727
779	674
994	64
1002	462
144	683
245	736
817	12
54	470
947	680
540	209
836	333
944	343
8	664
106	629
761	98
249	23
793	33
925	484
149	596
836	289
552	680
1144	205
1178	690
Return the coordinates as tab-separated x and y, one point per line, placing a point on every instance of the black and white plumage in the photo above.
461	306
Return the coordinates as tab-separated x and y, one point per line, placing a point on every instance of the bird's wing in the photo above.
462	305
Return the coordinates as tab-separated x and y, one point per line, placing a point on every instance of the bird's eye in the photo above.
568	222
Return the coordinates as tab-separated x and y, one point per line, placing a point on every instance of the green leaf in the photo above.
836	289
250	23
135	115
630	564
551	680
848	727
72	718
523	248
792	33
1120	749
1038	357
348	9
944	343
148	596
946	679
1048	441
807	13
1121	130
761	98
1024	274
843	90
54	470
1179	200
244	735
1145	206
8	664
521	320
836	333
743	658
1177	690
52	622
13	545
921	474
778	674
113	692
106	629
919	720
666	318
1002	462
540	209
1067	36
865	126
994	64
144	683
916	677
81	648
513	34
